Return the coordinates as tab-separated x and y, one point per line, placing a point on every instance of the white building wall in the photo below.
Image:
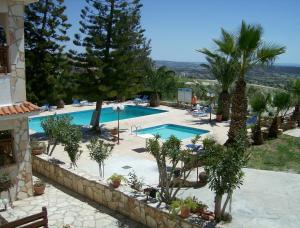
5	93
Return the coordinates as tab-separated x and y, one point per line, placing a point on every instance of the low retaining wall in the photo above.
123	200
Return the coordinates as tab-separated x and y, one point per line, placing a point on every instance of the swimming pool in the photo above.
107	114
166	130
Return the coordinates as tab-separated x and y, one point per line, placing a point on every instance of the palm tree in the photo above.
248	50
224	70
160	80
281	102
296	92
259	104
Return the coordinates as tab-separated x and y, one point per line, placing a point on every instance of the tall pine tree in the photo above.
116	53
45	32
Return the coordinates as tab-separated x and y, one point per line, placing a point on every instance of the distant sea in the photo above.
288	64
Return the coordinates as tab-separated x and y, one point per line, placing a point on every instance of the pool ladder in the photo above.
135	128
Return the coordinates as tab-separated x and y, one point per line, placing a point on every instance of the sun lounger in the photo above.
251	121
52	108
75	103
145	99
45	107
199	113
194	147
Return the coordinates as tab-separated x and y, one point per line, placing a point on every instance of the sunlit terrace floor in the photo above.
267	199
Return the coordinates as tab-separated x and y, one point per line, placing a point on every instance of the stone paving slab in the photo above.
66	207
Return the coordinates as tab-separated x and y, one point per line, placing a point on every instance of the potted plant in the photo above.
116	180
60	104
37	147
219	117
39	187
150	191
199	207
135	182
183	207
5	182
114	131
219	114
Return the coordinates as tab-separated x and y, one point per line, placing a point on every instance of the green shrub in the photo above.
56	129
99	152
72	144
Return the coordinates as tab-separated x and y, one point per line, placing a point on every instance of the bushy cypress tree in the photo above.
116	53
45	32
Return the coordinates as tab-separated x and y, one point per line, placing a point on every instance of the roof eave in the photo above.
26	2
19	115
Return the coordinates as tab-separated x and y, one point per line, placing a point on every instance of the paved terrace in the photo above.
131	151
267	199
65	207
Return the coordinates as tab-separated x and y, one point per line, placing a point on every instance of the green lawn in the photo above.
282	154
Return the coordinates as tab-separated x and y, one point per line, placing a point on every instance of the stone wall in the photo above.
20	171
16	49
124	199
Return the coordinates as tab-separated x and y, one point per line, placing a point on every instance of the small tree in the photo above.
99	152
72	144
224	168
225	71
158	81
56	129
281	102
170	152
259	104
296	92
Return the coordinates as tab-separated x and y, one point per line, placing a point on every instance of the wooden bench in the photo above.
32	221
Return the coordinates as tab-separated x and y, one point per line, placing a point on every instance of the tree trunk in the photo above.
257	134
229	196
296	114
218	205
95	121
53	147
238	111
273	130
224	105
154	100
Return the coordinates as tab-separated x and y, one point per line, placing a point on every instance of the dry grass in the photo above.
282	154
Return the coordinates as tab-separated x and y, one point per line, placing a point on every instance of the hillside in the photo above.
275	76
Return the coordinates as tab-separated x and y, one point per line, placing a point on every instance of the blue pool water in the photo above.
107	115
166	130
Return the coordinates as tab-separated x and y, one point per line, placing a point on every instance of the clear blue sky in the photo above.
178	27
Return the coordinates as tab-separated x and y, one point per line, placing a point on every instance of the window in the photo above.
3	42
4	68
6	148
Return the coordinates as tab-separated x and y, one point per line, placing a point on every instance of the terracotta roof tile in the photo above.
25	107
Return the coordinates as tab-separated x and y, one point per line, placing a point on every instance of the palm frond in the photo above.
267	53
226	44
249	37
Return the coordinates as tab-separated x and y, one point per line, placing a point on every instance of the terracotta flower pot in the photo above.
39	189
60	104
185	212
199	210
205	217
37	147
114	131
37	151
116	183
219	118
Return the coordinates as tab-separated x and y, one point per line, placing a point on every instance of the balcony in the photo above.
4	67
